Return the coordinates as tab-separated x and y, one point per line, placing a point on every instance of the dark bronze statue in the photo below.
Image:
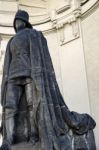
33	107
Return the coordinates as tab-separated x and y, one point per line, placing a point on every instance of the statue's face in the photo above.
19	24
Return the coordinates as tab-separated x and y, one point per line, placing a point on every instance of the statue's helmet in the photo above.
23	15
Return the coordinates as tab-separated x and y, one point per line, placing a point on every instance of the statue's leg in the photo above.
29	97
9	124
13	95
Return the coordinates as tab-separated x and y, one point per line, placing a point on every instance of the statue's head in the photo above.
21	20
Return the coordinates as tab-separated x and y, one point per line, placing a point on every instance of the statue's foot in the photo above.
34	139
5	146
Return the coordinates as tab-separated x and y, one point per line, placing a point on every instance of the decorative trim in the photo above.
45	16
77	13
6	36
74	28
53	17
73	23
53	20
9	0
84	2
34	6
7	12
90	11
59	23
62	9
44	20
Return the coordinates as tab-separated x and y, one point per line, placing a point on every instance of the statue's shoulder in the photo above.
35	32
9	41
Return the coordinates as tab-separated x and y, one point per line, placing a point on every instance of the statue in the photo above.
34	110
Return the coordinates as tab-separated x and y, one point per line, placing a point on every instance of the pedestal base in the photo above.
25	146
77	142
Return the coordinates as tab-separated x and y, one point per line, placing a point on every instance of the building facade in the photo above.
72	31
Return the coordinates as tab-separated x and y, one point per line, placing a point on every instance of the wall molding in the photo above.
84	2
57	20
64	7
90	10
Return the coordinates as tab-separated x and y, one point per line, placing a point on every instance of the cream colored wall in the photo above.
90	29
53	46
74	76
68	61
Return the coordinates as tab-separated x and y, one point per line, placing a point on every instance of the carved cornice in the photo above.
63	15
84	2
36	18
64	7
91	10
10	0
34	6
60	25
7	12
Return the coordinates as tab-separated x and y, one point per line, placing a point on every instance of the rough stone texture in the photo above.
25	146
76	144
74	86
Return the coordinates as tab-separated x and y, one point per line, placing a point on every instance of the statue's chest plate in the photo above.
20	43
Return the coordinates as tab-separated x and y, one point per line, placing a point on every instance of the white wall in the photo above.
90	28
68	60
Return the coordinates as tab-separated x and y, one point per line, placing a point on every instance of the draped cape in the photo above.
56	126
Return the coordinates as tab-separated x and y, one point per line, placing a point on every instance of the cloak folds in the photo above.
57	127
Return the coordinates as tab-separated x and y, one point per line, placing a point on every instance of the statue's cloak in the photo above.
57	127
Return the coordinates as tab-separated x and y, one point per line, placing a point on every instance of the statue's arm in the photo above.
6	65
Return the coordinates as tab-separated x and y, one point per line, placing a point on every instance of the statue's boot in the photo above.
30	96
9	124
5	145
33	132
10	129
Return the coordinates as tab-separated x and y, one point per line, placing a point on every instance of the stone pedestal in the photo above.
25	146
81	142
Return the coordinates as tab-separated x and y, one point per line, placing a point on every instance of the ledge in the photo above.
50	23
